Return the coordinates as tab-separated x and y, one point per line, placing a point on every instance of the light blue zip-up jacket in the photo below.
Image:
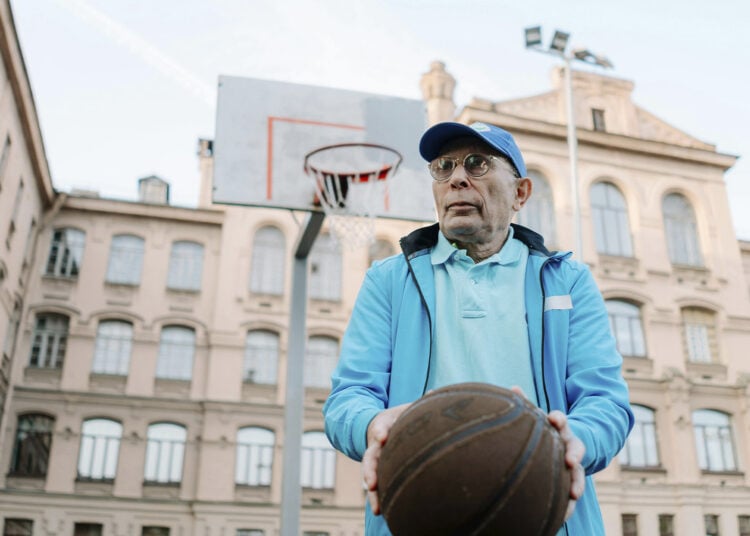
385	357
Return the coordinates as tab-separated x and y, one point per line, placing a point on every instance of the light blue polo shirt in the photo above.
481	333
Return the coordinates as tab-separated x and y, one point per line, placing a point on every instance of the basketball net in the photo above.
351	186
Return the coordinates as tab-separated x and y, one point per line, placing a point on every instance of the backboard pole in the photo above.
291	489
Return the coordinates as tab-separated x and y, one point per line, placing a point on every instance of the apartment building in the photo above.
147	378
26	192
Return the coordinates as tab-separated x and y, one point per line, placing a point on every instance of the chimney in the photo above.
153	190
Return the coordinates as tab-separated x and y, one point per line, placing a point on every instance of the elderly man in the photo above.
476	298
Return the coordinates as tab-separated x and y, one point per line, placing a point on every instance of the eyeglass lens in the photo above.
476	165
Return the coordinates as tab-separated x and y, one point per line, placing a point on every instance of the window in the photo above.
700	335
641	447
597	118
249	532
318	468
380	249
744	525
538	213
254	456
100	445
261	357
713	440
712	524
185	266
165	452
666	525
49	341
125	260
320	360
610	215
267	268
65	253
325	269
4	158
32	446
681	231
114	339
625	321
176	351
87	529
629	525
155	531
14	214
18	527
14	321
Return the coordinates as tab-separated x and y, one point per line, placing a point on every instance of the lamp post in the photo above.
557	48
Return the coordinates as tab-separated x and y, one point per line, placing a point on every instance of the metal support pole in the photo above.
291	489
573	157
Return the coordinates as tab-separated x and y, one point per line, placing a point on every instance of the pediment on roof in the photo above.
652	128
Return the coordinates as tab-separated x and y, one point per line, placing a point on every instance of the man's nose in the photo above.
459	178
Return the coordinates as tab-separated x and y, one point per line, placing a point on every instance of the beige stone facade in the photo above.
137	403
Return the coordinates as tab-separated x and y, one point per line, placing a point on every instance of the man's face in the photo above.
478	210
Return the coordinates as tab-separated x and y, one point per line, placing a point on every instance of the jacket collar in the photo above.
425	238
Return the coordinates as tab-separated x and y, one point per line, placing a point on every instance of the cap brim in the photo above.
437	136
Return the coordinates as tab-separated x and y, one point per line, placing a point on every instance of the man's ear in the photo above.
524	187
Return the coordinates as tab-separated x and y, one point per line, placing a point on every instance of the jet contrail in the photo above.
142	48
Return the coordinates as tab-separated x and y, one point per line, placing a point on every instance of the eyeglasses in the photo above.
476	165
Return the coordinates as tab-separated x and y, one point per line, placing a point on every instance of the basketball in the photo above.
473	459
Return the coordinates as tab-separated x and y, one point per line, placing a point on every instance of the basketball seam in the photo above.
434	447
500	498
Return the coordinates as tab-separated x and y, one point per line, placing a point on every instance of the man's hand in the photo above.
574	450
377	435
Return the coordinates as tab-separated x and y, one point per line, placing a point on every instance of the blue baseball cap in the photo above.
438	135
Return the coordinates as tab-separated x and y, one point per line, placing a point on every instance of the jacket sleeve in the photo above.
361	379
597	396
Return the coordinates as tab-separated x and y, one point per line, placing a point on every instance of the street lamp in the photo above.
557	48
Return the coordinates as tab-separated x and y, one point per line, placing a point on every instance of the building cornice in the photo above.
606	140
12	57
144	210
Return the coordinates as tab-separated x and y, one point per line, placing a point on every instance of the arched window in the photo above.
66	252
539	212
320	360
176	352
32	446
609	213
254	456
267	265
165	453
641	449
100	445
261	357
318	468
325	269
681	231
699	328
713	440
49	341
125	260
625	321
114	340
185	266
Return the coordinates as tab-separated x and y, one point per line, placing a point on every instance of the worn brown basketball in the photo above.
473	459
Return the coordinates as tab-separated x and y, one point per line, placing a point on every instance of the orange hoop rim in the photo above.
358	176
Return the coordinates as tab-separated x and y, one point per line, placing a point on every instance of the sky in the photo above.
124	90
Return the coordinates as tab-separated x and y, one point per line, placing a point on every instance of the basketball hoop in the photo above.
351	186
